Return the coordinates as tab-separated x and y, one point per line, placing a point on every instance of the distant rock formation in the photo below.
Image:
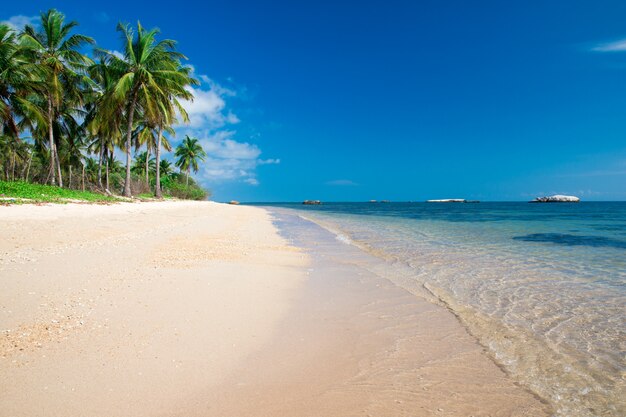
452	200
557	199
312	202
233	202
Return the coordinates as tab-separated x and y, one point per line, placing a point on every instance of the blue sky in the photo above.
399	100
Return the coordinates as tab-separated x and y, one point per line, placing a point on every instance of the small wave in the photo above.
343	238
340	236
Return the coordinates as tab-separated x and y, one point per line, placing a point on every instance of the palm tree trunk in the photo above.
58	161
129	134
51	174
188	170
157	182
70	186
30	158
13	168
48	177
107	173
83	177
100	165
147	168
26	166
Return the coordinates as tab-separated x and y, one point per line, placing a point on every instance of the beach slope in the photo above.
204	309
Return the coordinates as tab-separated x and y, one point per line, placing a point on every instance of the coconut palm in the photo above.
104	115
12	154
90	169
57	53
143	164
144	135
69	133
17	80
189	152
169	105
113	168
152	138
10	74
166	168
147	66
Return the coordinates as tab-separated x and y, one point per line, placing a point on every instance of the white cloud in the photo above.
211	121
270	161
218	88
344	183
208	108
228	159
18	22
616	46
221	145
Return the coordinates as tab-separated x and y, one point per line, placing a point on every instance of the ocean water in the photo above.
541	286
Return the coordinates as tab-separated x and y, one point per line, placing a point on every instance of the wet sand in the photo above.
202	309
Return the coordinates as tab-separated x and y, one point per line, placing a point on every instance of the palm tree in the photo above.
11	72
152	137
57	53
167	174
17	81
69	133
104	115
143	165
166	169
164	118
189	152
114	168
145	69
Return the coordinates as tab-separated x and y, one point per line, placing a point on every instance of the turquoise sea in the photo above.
540	286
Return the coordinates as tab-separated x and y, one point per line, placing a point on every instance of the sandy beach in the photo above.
205	309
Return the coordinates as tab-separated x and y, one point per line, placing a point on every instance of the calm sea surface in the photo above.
541	286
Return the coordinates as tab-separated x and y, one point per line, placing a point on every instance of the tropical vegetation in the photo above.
73	120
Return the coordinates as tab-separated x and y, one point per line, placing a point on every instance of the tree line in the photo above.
61	110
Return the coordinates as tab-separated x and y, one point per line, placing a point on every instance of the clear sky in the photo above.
398	100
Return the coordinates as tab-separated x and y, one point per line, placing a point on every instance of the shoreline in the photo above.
291	325
542	359
358	344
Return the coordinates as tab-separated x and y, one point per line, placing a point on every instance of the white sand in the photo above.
131	308
202	309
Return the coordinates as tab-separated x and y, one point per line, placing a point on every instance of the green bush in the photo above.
177	188
47	193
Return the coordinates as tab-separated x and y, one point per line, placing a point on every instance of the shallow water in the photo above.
541	286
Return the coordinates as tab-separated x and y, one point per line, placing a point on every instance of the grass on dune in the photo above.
37	193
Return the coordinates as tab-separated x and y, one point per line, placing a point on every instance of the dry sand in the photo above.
203	309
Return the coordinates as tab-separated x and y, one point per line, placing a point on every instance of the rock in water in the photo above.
312	202
234	202
557	199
